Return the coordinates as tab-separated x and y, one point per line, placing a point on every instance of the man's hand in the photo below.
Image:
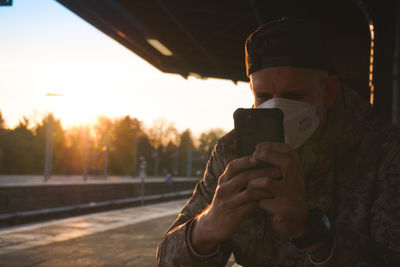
232	201
289	205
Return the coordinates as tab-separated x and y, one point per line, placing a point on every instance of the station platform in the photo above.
37	180
126	237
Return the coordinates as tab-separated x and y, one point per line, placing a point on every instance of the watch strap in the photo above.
318	230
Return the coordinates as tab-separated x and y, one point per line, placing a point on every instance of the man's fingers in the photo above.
236	166
241	180
266	183
250	195
284	157
257	194
275	158
277	147
281	155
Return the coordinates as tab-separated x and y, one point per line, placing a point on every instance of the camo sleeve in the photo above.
382	246
174	249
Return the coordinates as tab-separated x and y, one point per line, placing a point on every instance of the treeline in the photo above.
125	142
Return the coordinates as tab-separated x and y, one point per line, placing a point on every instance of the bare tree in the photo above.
161	132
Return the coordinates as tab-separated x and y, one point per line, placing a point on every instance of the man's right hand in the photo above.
231	203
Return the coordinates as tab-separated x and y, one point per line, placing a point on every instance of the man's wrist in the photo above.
199	239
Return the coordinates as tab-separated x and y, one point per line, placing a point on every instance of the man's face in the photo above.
287	82
297	84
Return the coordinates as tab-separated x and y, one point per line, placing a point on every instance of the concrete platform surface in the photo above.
127	237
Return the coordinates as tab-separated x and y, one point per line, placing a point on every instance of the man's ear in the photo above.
332	87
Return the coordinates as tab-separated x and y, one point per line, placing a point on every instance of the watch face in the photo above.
326	221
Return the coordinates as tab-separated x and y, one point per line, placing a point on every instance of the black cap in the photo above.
287	42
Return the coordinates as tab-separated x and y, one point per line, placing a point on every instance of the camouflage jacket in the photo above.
352	174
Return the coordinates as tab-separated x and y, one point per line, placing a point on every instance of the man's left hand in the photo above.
289	206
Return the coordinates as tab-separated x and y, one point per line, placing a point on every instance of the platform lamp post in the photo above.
85	161
107	143
135	155
49	144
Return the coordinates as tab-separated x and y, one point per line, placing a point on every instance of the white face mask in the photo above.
300	119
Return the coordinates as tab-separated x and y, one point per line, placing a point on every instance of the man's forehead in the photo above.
287	77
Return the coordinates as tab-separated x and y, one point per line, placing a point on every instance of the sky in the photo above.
45	48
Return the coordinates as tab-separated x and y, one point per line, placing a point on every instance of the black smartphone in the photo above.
254	126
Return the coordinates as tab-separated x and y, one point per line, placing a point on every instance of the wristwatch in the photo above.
319	228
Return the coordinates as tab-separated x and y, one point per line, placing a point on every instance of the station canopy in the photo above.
206	38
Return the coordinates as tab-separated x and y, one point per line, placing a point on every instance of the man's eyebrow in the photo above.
264	95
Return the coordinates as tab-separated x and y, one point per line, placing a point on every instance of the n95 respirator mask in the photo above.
300	119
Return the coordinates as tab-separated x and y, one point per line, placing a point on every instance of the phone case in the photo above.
253	126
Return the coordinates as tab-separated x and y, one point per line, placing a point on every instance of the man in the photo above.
331	199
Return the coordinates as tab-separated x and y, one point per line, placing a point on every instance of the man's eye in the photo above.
293	97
